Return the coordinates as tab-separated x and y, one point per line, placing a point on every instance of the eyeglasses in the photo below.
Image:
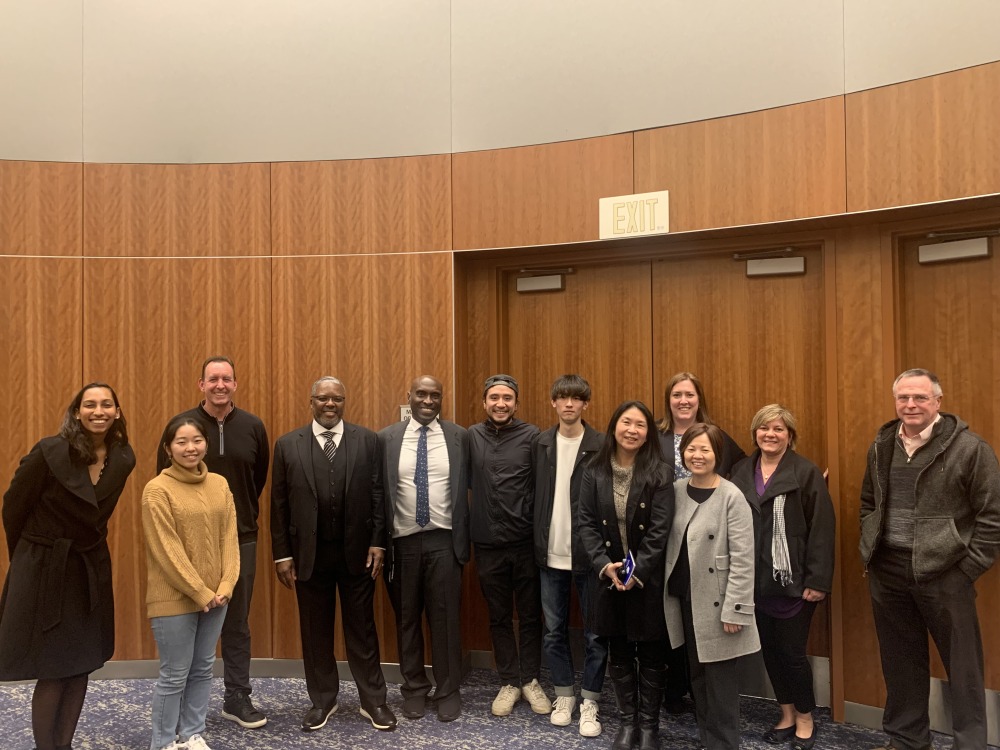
328	399
920	398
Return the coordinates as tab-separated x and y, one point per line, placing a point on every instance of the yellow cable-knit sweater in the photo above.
192	550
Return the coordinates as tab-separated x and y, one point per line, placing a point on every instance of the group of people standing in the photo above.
686	556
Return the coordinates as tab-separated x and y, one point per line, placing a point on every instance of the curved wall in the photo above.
235	81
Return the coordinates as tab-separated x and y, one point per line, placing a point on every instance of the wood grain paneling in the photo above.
41	340
932	139
864	374
188	210
41	208
950	324
148	324
774	165
536	195
362	206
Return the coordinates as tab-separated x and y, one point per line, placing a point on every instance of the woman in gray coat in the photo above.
708	598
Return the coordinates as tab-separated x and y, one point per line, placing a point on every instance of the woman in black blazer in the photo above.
794	566
57	616
626	508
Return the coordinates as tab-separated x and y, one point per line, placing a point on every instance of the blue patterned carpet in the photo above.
116	716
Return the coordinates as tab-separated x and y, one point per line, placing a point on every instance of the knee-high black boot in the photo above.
623	679
651	683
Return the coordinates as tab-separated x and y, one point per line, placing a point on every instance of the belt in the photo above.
55	575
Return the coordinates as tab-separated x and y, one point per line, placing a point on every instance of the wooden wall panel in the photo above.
933	139
537	195
171	210
773	165
950	324
42	361
362	206
148	324
864	374
41	208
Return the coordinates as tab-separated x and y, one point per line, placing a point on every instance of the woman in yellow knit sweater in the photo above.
193	560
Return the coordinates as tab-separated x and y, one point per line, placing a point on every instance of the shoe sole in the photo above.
383	727
560	722
242	723
542	711
325	719
501	712
591	734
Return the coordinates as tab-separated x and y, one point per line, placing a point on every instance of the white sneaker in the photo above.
539	701
503	704
195	742
590	725
173	746
562	710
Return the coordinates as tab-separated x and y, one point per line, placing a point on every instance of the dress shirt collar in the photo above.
912	444
414	426
337	430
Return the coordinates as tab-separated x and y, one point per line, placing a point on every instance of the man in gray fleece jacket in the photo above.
930	526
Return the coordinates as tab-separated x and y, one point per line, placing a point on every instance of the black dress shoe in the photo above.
805	743
380	717
779	736
450	708
414	707
316	717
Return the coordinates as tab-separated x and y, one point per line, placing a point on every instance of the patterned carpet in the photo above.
116	716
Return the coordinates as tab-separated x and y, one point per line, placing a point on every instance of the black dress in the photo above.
57	612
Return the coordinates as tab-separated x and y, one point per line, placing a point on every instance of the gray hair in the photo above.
326	379
919	372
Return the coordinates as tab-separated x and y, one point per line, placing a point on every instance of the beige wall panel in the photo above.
537	194
41	340
41	69
779	164
148	324
929	140
895	40
366	206
950	324
864	308
151	210
41	206
262	81
526	72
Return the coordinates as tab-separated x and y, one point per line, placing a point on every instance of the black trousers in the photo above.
783	646
508	575
715	686
236	627
905	611
317	613
427	579
648	654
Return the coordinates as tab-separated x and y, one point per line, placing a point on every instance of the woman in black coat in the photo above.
626	508
57	610
794	566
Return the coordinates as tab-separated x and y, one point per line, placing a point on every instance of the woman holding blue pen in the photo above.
626	509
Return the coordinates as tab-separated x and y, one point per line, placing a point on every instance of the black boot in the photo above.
623	679
651	683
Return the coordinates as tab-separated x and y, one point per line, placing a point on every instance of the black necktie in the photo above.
329	447
421	480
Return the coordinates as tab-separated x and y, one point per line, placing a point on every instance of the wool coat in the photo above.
57	613
720	546
810	525
636	614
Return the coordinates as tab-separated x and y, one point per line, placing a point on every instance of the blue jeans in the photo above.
555	607
186	644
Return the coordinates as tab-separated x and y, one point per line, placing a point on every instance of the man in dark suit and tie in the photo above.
328	533
426	509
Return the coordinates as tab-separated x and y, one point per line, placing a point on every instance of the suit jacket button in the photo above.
642	505
738	607
711	570
711	536
716	604
607	544
641	527
605	522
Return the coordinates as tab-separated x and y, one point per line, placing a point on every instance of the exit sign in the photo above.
635	215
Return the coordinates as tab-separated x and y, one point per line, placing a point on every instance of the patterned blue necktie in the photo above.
421	481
